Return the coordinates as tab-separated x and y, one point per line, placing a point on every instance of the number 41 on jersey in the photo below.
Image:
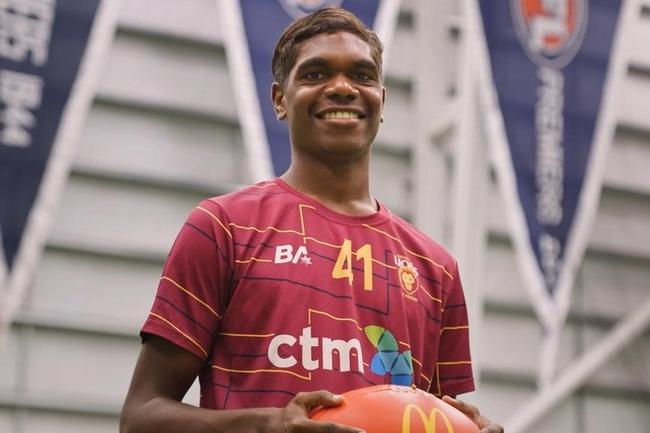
343	265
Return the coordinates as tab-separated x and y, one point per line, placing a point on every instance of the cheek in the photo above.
298	108
375	99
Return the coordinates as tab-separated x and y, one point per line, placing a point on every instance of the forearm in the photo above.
165	415
164	373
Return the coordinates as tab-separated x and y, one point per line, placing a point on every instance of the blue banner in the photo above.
264	21
41	46
550	62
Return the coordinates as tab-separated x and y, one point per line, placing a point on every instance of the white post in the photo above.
248	108
471	177
430	182
626	331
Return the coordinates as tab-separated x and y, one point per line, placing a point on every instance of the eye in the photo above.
313	75
362	76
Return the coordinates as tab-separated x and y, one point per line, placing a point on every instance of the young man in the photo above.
304	282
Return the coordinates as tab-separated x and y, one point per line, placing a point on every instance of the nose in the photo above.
341	88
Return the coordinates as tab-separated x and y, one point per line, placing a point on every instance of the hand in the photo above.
473	413
294	418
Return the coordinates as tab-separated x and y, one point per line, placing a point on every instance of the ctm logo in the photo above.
315	352
430	423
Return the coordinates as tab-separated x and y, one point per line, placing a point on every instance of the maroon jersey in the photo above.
279	294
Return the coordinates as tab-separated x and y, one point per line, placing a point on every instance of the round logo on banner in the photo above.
300	8
550	31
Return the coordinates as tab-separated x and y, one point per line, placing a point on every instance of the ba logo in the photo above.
430	423
300	8
408	274
286	254
550	31
388	359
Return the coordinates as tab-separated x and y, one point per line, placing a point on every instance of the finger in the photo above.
461	405
310	400
474	414
492	428
450	400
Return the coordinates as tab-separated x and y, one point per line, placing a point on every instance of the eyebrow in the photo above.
323	62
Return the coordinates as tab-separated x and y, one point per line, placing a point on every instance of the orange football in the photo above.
396	409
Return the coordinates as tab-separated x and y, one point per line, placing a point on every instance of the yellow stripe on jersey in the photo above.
453	328
453	362
232	334
180	332
214	217
192	296
438	364
341	319
266	229
254	259
302	218
433	298
232	370
275	229
327	244
386	265
409	251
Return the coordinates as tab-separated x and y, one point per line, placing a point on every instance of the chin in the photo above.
344	151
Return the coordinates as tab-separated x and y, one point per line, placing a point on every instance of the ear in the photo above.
277	96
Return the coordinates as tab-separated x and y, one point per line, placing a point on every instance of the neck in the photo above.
342	187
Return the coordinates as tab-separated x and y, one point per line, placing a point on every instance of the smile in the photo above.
340	115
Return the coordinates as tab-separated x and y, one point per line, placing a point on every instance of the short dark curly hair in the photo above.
327	20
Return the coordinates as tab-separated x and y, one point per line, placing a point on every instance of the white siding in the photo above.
162	134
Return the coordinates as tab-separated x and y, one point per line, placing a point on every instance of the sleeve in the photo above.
195	282
454	366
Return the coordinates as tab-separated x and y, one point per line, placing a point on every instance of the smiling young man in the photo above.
304	282
332	99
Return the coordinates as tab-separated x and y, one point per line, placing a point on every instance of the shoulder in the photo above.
422	244
245	199
245	203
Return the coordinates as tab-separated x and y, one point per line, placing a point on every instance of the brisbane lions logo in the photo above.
550	31
408	274
300	8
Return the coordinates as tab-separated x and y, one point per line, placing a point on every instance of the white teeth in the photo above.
341	115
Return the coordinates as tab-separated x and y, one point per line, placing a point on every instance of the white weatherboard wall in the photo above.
163	133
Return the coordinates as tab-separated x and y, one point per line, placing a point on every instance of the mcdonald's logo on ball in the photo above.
395	408
430	423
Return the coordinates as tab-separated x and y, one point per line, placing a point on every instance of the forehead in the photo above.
334	46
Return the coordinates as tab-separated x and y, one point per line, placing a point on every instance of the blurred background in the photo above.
162	133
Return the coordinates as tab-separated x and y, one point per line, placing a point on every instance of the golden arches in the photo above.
430	423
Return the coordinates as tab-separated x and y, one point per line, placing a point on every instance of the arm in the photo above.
163	374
